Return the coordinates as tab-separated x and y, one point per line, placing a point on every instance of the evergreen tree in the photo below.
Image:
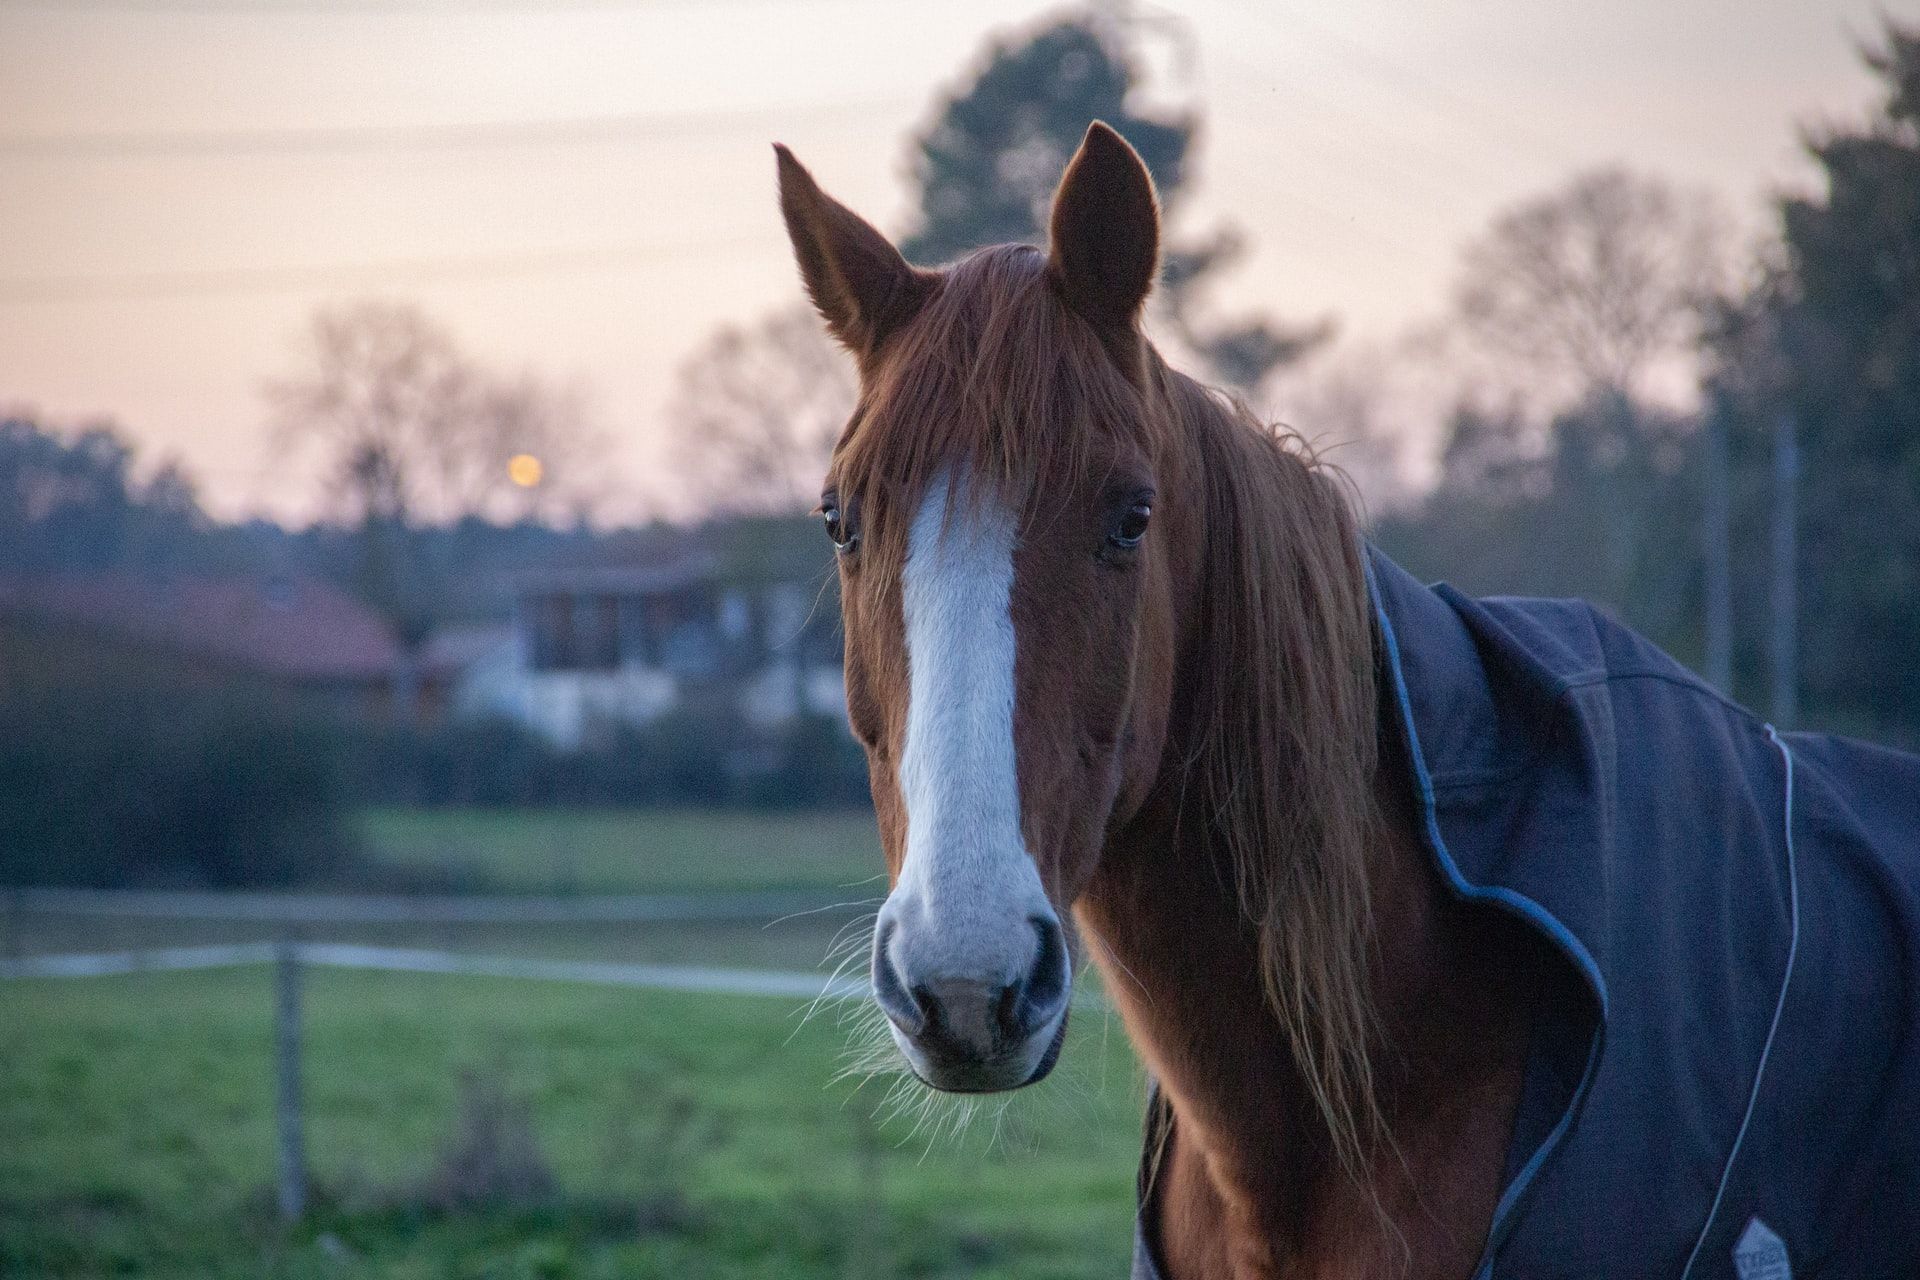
1833	338
987	166
71	503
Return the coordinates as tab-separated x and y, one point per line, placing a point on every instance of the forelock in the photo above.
995	380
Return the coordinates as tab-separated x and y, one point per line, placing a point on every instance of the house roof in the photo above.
290	628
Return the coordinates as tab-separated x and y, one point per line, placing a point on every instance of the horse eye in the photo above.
836	524
1132	525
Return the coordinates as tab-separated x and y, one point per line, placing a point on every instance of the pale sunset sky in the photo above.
182	182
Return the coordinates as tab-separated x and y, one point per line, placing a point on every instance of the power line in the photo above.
346	8
1476	117
1460	163
247	280
1262	177
611	128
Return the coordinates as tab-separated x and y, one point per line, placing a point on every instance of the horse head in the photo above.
1008	592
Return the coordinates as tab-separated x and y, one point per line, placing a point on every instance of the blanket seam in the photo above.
1779	1008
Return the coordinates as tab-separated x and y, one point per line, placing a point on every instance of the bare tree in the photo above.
1596	287
757	410
530	450
415	430
1354	403
383	386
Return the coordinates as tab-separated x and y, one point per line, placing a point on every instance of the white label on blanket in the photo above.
1761	1255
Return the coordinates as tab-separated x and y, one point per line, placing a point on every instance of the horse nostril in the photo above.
1007	1010
1032	1003
1052	966
909	1009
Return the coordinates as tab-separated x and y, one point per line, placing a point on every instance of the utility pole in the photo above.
1717	552
1785	648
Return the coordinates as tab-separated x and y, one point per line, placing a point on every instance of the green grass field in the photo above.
565	852
688	1137
628	850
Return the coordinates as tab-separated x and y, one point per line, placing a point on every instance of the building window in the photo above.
638	648
575	633
550	622
596	630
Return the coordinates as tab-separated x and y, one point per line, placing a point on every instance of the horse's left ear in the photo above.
862	286
1104	237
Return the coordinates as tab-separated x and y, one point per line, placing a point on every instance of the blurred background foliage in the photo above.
1568	466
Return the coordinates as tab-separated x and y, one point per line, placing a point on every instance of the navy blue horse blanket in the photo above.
1742	1098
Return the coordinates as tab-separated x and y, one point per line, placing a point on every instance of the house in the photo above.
600	645
277	634
730	623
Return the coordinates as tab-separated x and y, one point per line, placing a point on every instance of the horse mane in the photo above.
996	376
1282	740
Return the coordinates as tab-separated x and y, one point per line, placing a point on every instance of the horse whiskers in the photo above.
1116	962
849	945
855	933
937	1118
940	1117
870	1051
814	911
829	993
870	1054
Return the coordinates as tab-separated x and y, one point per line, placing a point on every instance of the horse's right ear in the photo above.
862	286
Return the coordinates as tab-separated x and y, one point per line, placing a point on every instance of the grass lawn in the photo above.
628	850
687	1137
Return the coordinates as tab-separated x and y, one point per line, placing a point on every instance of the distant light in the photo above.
525	470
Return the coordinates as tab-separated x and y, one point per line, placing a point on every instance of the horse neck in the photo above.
1180	959
1180	962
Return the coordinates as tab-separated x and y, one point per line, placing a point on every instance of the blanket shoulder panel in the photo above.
1648	816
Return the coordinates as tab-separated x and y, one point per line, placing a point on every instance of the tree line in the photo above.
1808	359
1609	390
1600	405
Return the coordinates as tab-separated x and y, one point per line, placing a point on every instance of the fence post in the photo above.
286	1063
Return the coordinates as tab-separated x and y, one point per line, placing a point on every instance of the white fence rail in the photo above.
101	964
701	979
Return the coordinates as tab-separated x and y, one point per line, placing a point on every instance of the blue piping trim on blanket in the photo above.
1519	904
1779	1007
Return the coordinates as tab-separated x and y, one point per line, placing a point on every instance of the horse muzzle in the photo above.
979	1014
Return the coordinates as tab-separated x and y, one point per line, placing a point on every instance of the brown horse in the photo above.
1110	653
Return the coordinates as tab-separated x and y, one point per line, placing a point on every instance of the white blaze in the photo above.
967	877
